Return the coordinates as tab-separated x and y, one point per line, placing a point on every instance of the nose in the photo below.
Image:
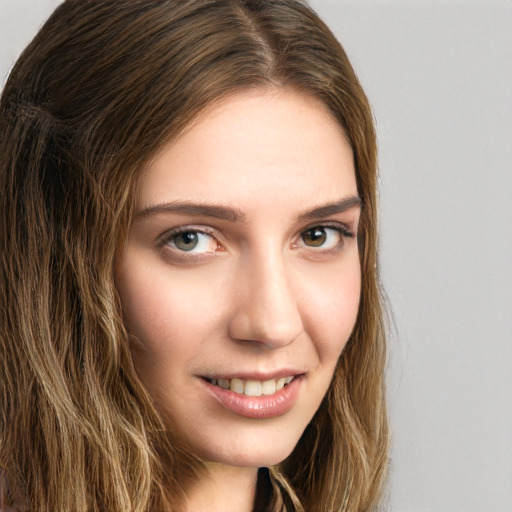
266	303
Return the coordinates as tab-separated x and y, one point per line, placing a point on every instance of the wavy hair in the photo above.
100	90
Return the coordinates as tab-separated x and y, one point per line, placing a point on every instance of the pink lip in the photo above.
258	407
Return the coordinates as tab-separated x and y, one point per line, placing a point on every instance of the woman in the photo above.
190	309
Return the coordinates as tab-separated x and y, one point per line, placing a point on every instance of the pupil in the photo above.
186	241
314	237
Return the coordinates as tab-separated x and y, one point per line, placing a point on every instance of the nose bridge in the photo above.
267	309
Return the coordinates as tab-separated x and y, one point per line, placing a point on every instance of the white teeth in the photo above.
268	387
223	383
253	387
237	386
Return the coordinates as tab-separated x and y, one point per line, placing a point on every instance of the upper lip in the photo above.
259	375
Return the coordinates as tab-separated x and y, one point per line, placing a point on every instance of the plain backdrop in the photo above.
439	77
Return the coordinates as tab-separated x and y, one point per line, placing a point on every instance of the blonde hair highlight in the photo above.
100	90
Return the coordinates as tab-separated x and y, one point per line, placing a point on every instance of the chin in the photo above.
251	448
258	457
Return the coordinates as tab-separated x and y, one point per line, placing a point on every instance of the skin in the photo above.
258	294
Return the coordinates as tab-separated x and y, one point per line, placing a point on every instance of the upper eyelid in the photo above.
333	224
344	217
190	227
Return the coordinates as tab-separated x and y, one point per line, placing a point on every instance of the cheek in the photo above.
331	309
161	313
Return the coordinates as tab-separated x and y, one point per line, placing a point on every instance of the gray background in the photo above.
439	76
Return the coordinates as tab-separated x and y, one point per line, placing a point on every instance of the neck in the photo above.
223	488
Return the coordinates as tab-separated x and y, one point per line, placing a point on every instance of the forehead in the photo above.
268	145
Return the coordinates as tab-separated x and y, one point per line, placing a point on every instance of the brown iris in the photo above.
314	237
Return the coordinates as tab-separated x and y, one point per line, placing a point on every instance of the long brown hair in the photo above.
102	87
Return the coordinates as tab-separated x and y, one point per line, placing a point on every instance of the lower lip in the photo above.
258	407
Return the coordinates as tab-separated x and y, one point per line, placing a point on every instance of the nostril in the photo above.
265	309
264	330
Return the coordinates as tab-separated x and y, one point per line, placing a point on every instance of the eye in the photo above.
324	237
190	241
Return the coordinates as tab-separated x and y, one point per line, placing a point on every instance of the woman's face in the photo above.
240	280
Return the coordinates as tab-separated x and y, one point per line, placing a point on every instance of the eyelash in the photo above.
167	240
341	229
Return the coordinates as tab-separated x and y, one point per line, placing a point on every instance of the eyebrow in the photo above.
236	215
185	208
340	206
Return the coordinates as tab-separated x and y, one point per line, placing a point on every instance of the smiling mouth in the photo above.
252	387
